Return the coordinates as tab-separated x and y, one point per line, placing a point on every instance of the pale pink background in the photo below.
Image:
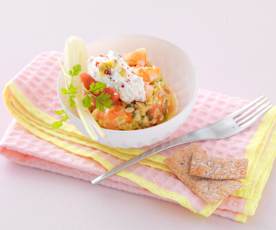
233	47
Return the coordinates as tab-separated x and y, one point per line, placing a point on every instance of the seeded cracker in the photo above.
206	166
209	190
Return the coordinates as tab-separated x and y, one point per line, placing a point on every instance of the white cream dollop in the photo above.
120	76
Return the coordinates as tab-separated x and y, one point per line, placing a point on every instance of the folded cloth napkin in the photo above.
31	98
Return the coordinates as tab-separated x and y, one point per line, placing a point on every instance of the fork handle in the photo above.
190	137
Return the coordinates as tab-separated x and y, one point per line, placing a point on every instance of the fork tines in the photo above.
252	111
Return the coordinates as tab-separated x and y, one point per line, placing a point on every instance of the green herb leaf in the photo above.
64	117
75	70
57	124
87	101
72	102
103	101
97	87
60	112
64	91
71	90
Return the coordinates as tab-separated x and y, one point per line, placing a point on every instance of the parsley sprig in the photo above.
95	97
101	100
71	92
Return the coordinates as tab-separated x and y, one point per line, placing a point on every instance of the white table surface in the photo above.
232	45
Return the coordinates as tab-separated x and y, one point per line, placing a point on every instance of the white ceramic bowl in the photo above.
178	72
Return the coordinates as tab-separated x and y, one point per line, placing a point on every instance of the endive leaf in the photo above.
75	53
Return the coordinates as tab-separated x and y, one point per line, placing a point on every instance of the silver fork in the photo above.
227	127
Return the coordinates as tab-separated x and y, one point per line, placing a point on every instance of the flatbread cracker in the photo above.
209	190
206	166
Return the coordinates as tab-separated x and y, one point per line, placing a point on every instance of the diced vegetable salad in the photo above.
125	92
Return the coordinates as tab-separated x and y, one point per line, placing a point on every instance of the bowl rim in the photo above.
151	128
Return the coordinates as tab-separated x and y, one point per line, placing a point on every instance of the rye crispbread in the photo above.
216	168
209	190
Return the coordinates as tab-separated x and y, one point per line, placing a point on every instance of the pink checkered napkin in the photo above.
26	149
38	83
